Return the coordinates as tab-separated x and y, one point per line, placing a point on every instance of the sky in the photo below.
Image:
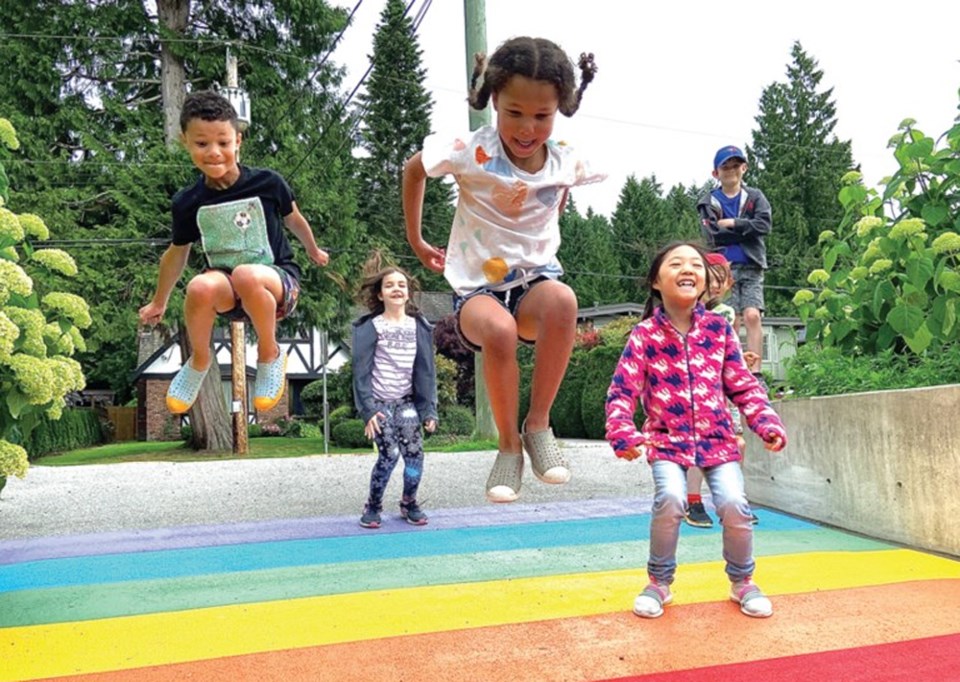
678	80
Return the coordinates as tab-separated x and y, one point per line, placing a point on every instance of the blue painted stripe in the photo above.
373	546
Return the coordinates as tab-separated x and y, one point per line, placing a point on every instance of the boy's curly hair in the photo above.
374	271
207	105
537	59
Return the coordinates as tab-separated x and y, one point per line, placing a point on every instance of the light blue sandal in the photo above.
271	380
185	388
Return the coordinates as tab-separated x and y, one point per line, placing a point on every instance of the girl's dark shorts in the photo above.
509	300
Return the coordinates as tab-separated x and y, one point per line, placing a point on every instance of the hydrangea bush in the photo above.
39	330
891	270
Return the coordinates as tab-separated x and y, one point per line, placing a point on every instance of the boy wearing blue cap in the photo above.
734	220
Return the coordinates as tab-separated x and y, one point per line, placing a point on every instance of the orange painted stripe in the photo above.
611	645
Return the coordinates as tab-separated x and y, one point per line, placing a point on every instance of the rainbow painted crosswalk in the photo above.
520	592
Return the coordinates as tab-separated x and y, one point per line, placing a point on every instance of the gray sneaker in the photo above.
411	512
371	516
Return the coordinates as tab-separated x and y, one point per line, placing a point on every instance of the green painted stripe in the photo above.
91	602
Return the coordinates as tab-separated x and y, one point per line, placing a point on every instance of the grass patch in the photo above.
260	448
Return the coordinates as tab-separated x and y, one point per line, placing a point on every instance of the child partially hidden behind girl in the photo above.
682	362
394	386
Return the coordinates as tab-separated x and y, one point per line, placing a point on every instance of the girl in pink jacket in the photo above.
682	362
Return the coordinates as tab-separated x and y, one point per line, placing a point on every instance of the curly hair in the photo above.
535	58
374	272
207	105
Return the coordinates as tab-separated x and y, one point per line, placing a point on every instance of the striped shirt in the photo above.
393	358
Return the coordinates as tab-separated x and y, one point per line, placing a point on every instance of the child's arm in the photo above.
622	398
747	394
297	224
172	263
757	225
364	345
414	185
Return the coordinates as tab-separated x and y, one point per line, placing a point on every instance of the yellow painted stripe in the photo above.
159	639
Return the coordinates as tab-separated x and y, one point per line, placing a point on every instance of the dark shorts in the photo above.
747	290
291	292
509	300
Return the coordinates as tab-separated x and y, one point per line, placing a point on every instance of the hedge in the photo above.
456	420
78	427
350	434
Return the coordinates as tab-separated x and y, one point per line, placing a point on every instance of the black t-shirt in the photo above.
240	224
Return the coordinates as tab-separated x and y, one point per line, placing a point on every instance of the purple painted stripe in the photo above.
148	540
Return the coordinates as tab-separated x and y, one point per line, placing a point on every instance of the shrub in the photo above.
565	413
350	434
598	368
892	282
76	428
312	399
456	420
338	415
39	332
254	431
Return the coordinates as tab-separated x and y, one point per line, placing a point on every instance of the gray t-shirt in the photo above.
393	358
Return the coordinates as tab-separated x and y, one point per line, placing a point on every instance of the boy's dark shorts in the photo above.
509	300
747	291
291	292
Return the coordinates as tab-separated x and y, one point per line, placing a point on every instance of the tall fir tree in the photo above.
589	258
642	222
395	118
797	161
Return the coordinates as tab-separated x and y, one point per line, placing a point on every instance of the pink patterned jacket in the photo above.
682	382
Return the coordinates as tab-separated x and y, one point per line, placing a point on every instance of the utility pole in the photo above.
475	38
238	342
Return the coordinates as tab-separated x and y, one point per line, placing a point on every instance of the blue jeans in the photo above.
726	487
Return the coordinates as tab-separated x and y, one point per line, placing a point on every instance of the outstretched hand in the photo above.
319	256
152	313
432	258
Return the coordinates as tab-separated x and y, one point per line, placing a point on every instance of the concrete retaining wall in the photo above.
886	464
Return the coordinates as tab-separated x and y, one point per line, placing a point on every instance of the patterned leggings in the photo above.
399	435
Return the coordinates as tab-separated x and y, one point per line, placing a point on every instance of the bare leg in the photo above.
207	294
484	321
548	314
260	290
751	319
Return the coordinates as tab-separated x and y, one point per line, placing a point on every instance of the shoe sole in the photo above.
369	525
267	404
502	499
697	524
566	476
421	522
659	613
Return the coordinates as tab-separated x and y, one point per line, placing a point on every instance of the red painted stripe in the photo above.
934	658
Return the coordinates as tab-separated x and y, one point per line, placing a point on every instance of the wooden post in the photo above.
238	353
475	39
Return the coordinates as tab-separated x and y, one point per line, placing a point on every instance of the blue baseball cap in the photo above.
726	153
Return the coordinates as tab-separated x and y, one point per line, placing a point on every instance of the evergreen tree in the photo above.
87	75
797	161
589	258
642	223
395	113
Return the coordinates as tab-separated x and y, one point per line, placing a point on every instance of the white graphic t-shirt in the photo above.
393	358
506	230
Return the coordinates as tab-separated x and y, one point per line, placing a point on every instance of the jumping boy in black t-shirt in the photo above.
236	213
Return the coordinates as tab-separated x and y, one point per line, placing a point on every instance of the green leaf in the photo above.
884	294
935	213
920	271
920	341
949	318
16	401
914	296
905	319
919	150
841	329
885	337
949	280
